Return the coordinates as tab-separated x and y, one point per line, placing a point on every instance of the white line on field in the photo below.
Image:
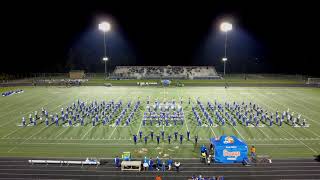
61	133
312	132
238	132
26	139
114	129
270	97
301	99
139	127
301	142
292	134
10	133
86	133
2	125
186	120
296	98
213	131
20	128
265	133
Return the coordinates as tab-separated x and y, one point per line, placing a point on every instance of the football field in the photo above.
107	141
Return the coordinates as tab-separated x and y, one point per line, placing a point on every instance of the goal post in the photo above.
313	81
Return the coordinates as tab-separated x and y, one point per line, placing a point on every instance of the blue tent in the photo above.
229	149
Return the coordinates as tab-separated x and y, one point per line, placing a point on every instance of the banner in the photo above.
229	149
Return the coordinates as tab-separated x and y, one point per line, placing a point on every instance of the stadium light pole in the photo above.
225	27
105	27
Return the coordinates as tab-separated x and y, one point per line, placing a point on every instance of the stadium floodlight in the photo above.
225	27
105	27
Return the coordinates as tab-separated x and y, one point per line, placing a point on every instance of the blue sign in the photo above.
166	82
229	149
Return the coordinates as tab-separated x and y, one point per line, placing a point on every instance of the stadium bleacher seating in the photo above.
158	72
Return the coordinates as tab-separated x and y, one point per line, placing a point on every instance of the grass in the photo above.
108	141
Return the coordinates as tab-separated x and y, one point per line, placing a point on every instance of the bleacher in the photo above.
160	72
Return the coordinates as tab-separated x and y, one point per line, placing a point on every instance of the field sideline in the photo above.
108	141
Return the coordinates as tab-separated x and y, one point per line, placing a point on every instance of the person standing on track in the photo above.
253	152
177	165
117	161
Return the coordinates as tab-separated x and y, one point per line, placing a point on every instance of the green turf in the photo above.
107	141
217	82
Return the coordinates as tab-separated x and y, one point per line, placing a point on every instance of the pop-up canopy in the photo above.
229	149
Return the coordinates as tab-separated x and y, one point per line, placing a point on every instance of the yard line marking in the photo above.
312	132
26	139
296	98
264	133
10	133
301	142
301	99
237	129
139	127
114	129
61	133
292	134
262	102
28	113
125	115
287	107
20	128
206	119
213	132
86	133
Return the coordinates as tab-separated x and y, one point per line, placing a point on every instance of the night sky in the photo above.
267	36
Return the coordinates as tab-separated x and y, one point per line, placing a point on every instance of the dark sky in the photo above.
54	36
